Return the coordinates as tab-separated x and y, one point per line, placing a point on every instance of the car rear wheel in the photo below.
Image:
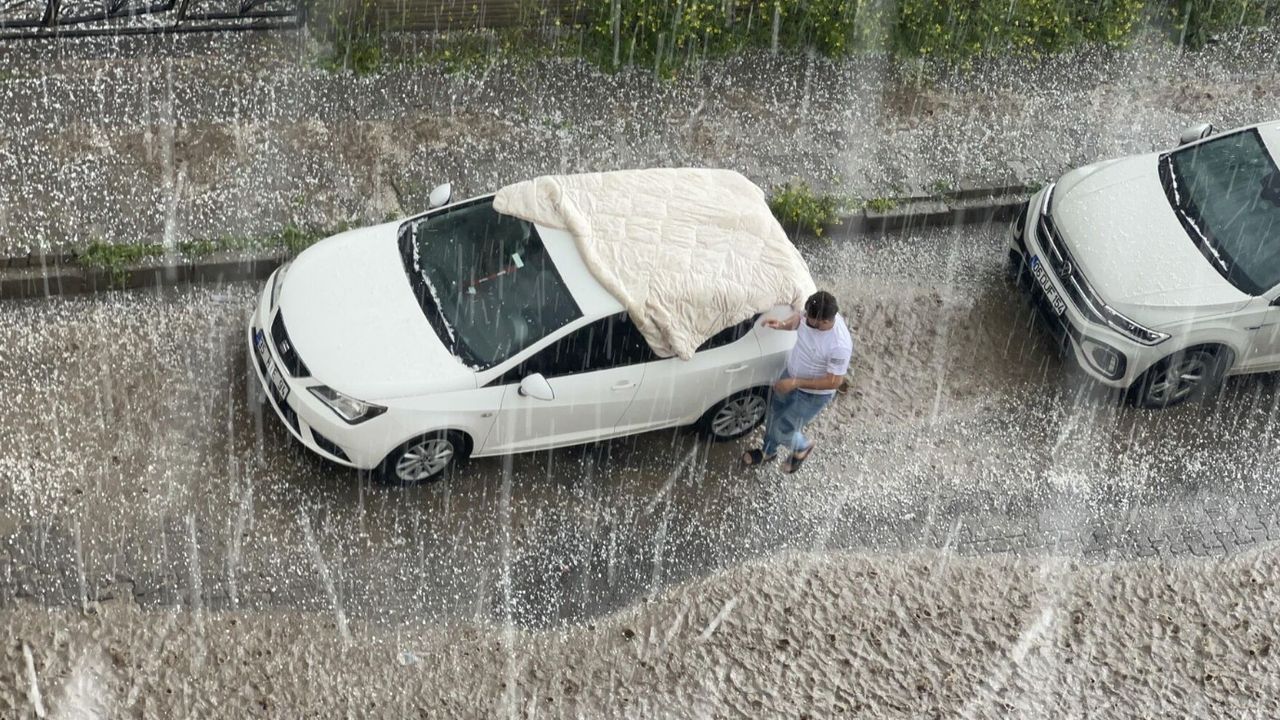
1182	376
734	416
426	458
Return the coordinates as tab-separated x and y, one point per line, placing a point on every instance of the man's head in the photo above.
820	310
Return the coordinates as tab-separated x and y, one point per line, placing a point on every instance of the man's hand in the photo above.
789	324
784	386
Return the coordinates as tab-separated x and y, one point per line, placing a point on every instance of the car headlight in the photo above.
278	281
348	408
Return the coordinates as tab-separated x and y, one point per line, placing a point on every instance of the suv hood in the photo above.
351	314
1117	224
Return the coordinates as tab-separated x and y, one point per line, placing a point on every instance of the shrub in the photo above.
950	30
355	33
1194	22
798	206
669	34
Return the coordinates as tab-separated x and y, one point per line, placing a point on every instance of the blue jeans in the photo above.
788	414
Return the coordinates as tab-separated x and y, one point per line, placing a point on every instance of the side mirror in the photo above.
440	196
1195	132
537	387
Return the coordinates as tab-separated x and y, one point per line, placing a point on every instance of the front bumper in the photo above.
307	419
1109	357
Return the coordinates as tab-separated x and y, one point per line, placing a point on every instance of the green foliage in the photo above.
963	28
355	34
1194	22
295	239
796	205
668	35
672	35
881	204
115	259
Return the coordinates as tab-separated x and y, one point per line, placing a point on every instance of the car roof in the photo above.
592	297
1270	134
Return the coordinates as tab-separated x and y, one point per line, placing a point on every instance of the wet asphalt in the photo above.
136	460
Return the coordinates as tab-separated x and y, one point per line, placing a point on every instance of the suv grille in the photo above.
288	355
1066	270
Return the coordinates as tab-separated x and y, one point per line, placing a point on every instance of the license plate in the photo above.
273	373
1042	277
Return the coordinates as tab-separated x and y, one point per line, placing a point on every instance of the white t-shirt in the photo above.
819	352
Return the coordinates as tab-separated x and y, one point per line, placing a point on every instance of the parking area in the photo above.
133	460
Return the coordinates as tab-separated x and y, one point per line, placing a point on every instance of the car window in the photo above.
729	335
612	342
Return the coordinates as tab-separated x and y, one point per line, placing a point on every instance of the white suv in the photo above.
402	347
1161	273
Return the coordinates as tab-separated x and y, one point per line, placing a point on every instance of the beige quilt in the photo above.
688	252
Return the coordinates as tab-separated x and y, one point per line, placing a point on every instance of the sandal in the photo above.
756	458
797	459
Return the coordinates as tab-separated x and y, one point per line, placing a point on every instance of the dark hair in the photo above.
821	306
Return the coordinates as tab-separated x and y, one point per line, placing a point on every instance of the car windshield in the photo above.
485	281
1226	193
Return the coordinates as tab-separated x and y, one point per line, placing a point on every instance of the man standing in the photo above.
815	368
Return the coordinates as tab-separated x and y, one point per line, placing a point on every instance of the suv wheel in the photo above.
1182	376
734	416
423	459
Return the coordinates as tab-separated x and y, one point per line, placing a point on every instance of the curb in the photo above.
54	274
52	280
961	207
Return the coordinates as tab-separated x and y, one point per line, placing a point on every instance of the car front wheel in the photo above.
426	458
734	416
1182	376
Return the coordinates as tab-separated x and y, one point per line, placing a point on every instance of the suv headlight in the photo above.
277	282
1128	327
348	408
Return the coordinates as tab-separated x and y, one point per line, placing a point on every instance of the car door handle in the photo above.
624	385
735	368
1259	327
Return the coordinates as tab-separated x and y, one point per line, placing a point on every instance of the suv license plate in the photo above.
1042	277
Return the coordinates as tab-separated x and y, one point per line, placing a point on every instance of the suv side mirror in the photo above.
1195	132
537	387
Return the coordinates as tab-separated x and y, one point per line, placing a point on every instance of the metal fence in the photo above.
72	18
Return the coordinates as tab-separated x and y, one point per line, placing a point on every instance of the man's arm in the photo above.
790	323
826	382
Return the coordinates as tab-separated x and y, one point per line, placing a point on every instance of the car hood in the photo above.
1117	223
353	318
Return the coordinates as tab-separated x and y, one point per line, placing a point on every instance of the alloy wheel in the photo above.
1176	382
424	458
738	416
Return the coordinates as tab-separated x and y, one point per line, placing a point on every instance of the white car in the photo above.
403	347
1161	273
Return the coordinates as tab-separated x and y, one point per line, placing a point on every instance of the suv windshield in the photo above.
484	281
1226	193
